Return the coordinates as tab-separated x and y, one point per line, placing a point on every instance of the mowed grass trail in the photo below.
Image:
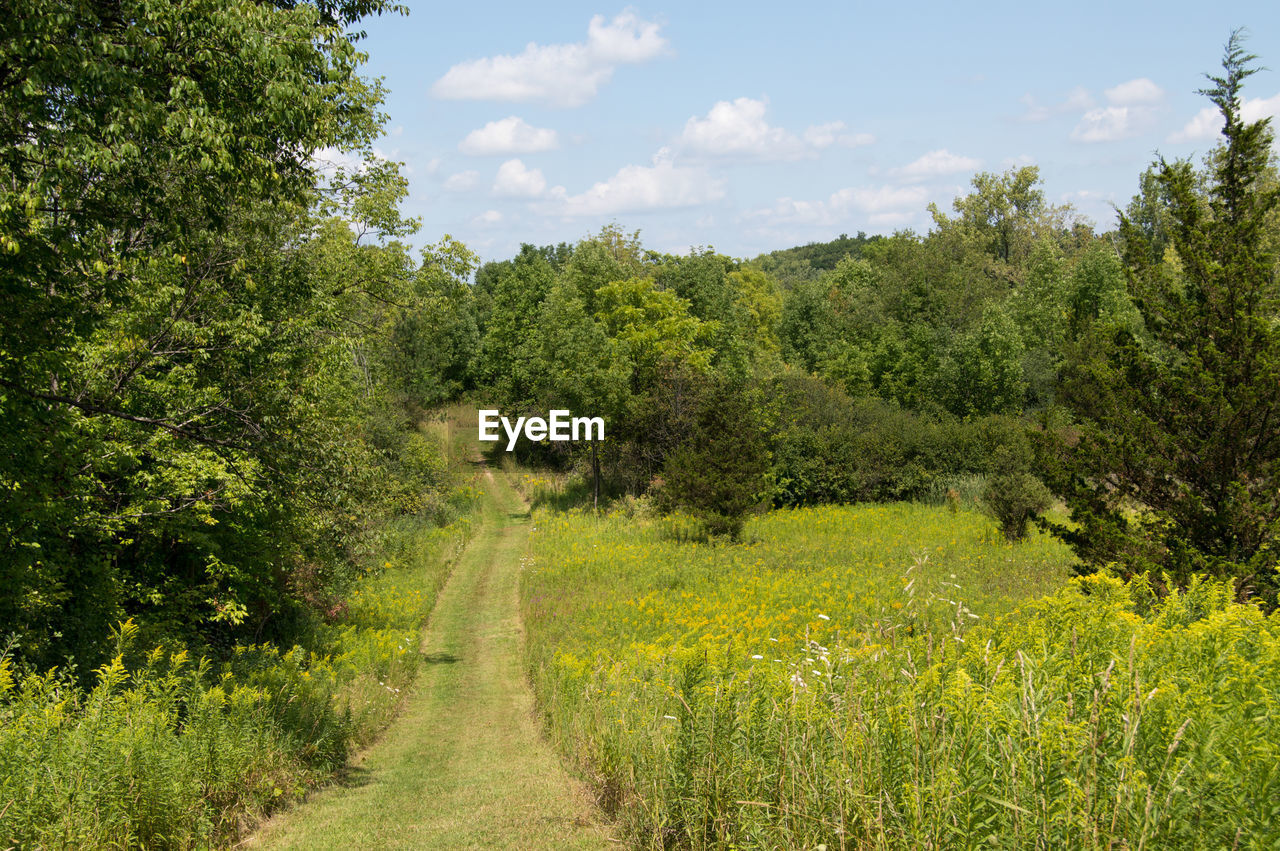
464	765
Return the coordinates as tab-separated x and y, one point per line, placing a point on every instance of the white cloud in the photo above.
635	187
789	211
509	136
558	74
738	129
327	161
1207	123
1132	109
1106	124
832	133
1139	92
890	205
1076	100
1019	161
516	181
935	164
488	217
1256	109
893	220
881	199
463	181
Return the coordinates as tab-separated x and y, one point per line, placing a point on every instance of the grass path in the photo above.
464	765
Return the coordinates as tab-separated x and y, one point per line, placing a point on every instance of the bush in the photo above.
719	472
830	448
1014	499
165	751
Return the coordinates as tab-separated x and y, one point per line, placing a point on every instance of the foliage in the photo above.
983	372
209	393
793	266
828	447
1015	498
167	751
1181	421
719	472
831	686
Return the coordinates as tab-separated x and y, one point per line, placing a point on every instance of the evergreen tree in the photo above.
719	472
1177	463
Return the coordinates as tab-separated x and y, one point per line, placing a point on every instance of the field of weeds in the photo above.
897	676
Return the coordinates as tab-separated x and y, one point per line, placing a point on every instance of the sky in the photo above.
747	127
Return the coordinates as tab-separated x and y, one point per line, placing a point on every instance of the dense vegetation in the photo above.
1134	372
880	677
223	513
224	507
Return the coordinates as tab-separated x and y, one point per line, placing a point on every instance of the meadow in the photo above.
887	676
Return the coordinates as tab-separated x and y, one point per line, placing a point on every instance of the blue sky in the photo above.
749	127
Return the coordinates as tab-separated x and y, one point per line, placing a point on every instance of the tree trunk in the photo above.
595	478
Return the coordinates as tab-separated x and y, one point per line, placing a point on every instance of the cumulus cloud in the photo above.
509	136
1076	100
1207	123
1106	124
514	180
463	181
880	199
883	205
558	74
1137	92
487	218
738	129
1132	110
936	164
832	133
634	188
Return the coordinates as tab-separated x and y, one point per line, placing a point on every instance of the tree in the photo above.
982	374
178	405
579	367
509	300
1177	463
719	472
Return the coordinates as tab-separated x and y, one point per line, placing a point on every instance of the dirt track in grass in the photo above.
464	765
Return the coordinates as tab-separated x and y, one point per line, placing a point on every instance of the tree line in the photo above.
1133	372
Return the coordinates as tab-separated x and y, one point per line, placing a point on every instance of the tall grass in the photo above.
890	677
166	751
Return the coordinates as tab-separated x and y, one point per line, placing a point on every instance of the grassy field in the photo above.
896	676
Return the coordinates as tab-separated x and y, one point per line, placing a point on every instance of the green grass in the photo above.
464	766
895	566
166	751
893	676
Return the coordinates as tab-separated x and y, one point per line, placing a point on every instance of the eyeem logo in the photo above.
561	426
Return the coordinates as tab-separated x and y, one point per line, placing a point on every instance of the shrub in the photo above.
1014	499
1013	496
719	472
